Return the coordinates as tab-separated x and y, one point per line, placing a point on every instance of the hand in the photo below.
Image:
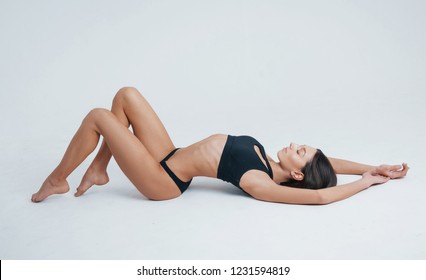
391	171
374	179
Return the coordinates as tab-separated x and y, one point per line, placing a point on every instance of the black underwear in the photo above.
180	184
238	157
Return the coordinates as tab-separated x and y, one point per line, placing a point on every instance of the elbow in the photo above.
322	198
260	194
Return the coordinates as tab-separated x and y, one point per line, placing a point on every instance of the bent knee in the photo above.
126	93
97	113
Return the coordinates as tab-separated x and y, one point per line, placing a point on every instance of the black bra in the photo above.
238	157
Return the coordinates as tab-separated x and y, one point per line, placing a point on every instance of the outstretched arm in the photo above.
341	192
265	190
342	166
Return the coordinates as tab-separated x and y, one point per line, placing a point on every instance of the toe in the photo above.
84	186
34	198
79	192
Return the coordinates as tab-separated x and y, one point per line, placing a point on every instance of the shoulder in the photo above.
254	181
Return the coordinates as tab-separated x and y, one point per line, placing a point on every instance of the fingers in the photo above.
392	171
400	172
379	179
395	167
388	170
404	169
405	166
385	169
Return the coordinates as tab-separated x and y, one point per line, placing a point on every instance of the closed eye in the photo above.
301	152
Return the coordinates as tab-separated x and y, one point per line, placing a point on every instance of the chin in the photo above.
279	155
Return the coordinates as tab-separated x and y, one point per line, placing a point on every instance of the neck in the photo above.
280	174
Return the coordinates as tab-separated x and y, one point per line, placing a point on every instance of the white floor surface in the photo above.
345	76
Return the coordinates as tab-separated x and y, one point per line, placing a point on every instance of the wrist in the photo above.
372	168
367	180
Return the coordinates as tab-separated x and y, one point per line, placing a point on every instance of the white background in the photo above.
345	76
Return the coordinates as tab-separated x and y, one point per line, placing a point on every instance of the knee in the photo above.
126	94
96	114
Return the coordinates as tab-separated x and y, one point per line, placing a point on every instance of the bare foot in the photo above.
90	178
49	187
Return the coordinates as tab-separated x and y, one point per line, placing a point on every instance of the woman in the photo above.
159	171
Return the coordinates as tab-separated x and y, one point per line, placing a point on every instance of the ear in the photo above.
297	175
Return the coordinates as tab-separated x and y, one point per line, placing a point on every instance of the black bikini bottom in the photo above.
180	184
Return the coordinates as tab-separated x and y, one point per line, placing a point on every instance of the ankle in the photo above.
54	179
96	167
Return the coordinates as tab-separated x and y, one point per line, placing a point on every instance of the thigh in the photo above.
134	159
145	122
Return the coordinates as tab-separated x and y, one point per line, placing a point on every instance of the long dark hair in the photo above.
318	174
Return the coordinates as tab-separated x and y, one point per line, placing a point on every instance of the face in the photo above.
294	157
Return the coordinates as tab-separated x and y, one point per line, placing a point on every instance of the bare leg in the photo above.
96	174
131	155
130	108
83	143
